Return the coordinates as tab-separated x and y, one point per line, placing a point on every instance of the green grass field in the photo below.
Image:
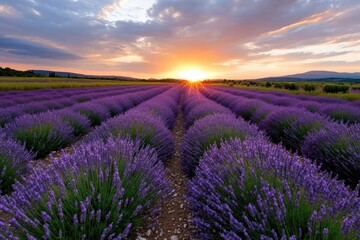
351	96
31	83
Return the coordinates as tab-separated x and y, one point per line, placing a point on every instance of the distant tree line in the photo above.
336	88
293	86
8	72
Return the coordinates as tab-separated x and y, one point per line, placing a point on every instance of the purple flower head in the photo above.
79	123
14	162
210	130
336	148
202	110
241	189
92	110
291	125
143	182
138	126
341	112
40	133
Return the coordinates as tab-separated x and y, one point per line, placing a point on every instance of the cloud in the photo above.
228	37
26	48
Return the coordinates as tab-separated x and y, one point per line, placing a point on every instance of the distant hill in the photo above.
9	72
317	76
58	74
48	73
325	74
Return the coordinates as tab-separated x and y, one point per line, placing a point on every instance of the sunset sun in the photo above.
193	75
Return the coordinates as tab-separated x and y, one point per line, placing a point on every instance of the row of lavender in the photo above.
39	134
244	187
333	145
12	98
8	114
111	184
338	109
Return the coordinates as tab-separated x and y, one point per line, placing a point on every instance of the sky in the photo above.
235	39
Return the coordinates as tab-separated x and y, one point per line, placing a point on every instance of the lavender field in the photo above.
178	161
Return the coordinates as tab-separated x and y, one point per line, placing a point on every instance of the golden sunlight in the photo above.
193	75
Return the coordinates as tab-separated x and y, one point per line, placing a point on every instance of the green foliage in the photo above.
278	85
12	72
96	202
291	86
309	87
335	88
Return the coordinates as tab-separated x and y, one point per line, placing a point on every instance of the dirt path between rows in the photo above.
174	219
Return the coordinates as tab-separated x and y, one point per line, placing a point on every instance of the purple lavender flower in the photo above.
79	123
290	126
41	133
336	148
202	110
95	112
241	191
143	183
212	130
140	126
14	162
341	112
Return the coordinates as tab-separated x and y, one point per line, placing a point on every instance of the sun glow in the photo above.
193	75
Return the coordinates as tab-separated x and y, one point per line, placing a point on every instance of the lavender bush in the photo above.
311	106
262	112
101	191
157	110
341	112
202	110
140	126
256	190
95	112
7	115
211	130
290	126
40	133
14	162
246	109
79	123
336	148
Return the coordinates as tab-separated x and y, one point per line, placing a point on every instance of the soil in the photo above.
174	220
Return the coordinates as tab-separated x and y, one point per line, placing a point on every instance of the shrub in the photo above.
101	191
9	114
278	85
291	86
309	87
335	88
291	126
247	108
210	130
94	111
40	133
113	107
262	112
142	126
14	162
284	101
341	112
255	190
79	123
202	110
336	148
164	112
311	106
